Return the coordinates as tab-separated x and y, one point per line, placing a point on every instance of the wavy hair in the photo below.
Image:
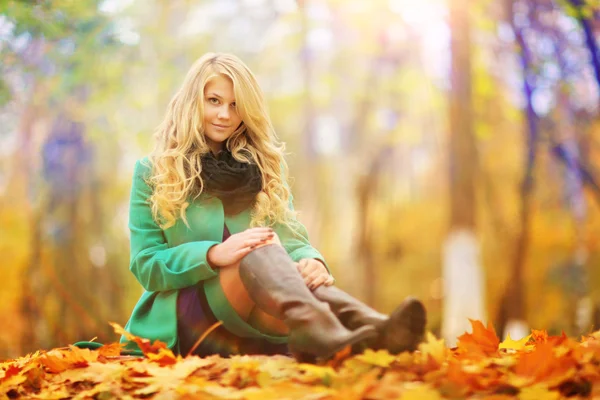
180	144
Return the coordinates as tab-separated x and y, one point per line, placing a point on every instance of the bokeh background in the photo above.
442	149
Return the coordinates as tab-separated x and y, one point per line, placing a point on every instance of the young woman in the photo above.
214	236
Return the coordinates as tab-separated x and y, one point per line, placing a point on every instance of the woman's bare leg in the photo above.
243	305
234	290
240	300
267	323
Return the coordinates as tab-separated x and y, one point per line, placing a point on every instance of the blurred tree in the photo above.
586	13
65	295
462	271
512	312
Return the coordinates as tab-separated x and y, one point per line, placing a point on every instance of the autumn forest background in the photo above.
443	149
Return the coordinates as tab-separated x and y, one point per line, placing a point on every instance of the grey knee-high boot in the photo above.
401	331
274	284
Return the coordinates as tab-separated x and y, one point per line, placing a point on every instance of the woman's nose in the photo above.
223	113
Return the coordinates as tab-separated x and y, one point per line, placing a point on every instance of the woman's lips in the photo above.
220	126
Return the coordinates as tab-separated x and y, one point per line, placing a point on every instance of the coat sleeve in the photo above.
294	239
157	266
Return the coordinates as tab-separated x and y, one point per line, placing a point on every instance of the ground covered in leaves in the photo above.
537	367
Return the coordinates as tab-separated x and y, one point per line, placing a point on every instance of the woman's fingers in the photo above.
318	281
312	277
302	268
252	242
303	264
257	231
261	235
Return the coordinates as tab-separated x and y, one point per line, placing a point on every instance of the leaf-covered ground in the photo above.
537	367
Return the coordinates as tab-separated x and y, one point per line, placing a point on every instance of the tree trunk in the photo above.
592	46
512	311
462	270
590	41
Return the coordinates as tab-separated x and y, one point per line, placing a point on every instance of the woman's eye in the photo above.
233	105
213	100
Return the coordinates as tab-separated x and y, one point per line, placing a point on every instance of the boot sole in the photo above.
406	327
363	333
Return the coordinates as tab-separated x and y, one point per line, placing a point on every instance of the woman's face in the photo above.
220	114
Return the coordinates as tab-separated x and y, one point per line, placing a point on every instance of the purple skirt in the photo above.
194	317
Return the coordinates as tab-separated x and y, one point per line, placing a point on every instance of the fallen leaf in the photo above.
163	357
482	341
145	345
111	350
538	392
539	336
436	348
380	358
418	391
514	344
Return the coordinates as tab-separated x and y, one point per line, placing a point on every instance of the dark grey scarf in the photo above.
233	182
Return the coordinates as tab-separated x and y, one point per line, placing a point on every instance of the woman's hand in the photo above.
314	273
236	246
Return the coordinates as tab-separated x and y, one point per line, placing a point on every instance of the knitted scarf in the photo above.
233	182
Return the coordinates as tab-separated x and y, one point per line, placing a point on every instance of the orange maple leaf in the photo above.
557	340
163	357
539	336
111	350
11	370
60	360
145	345
483	341
542	364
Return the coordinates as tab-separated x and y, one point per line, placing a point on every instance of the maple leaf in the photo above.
11	370
243	371
514	344
538	392
433	347
60	360
163	357
483	341
145	345
165	380
539	336
420	391
557	340
543	365
322	374
380	358
340	357
111	350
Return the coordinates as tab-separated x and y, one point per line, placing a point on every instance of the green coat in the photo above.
164	261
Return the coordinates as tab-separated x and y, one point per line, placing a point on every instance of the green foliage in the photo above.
5	94
580	12
75	38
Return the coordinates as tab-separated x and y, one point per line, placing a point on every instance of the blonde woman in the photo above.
214	236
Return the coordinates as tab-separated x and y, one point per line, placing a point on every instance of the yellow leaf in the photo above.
318	371
418	391
514	344
538	392
434	347
380	358
405	359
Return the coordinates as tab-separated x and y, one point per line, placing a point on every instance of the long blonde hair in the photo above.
180	143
